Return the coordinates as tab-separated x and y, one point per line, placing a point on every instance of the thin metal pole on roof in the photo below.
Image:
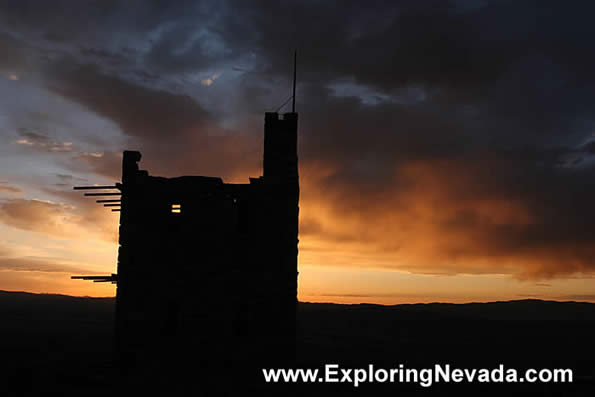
294	79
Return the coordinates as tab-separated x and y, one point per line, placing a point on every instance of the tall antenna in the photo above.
292	97
294	77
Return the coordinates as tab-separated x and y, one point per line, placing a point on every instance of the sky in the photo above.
447	148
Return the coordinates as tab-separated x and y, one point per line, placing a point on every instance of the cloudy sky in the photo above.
447	149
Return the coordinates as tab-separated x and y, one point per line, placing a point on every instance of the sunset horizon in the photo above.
442	167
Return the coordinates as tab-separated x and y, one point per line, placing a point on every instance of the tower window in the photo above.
176	208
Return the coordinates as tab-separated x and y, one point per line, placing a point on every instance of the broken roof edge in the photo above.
200	180
131	158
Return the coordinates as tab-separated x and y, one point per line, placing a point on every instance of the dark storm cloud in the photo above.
589	148
454	136
116	31
13	54
518	66
67	21
161	124
141	112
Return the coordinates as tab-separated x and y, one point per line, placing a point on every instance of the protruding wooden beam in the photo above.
93	187
109	201
113	278
103	194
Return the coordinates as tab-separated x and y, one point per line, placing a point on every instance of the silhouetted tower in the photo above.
207	271
281	181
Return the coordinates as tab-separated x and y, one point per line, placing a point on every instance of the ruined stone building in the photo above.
207	270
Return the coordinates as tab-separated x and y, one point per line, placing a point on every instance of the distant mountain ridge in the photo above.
525	309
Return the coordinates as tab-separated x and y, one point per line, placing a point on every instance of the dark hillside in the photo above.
62	345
